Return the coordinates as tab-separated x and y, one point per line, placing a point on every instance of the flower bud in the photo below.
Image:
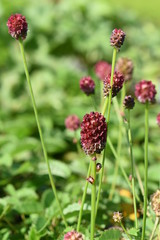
17	26
118	80
117	217
98	167
125	66
87	85
117	38
129	102
155	203
102	69
72	122
73	235
145	91
90	179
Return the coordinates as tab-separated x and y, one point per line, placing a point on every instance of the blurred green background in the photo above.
65	40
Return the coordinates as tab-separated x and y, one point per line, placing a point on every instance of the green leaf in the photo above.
58	168
72	209
33	235
111	234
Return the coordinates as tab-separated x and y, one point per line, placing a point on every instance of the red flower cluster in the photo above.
72	122
87	85
117	38
102	69
128	102
17	26
118	80
125	66
158	119
73	235
145	91
93	133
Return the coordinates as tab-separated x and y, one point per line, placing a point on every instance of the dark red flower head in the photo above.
158	119
93	133
125	66
87	85
118	80
72	122
129	102
73	235
102	69
17	26
145	91
117	38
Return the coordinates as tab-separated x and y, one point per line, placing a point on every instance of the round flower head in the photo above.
125	66
155	203
72	122
145	91
129	102
102	69
73	235
93	133
118	80
87	85
158	119
117	38
17	26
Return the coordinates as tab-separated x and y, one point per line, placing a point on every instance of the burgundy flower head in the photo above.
17	26
117	38
93	133
118	80
158	119
102	69
145	91
72	122
73	235
125	66
87	85
129	102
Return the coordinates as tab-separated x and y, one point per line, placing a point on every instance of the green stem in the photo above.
106	103
39	129
146	172
117	161
93	199
100	181
111	83
83	199
125	230
132	166
105	106
154	228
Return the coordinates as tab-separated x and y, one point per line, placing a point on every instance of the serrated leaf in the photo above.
111	234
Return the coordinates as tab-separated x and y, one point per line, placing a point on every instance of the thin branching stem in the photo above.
40	131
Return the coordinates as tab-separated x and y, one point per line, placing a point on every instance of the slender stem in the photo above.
83	199
132	166
111	83
100	181
125	230
105	106
146	172
154	228
93	199
39	129
93	101
106	103
117	161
